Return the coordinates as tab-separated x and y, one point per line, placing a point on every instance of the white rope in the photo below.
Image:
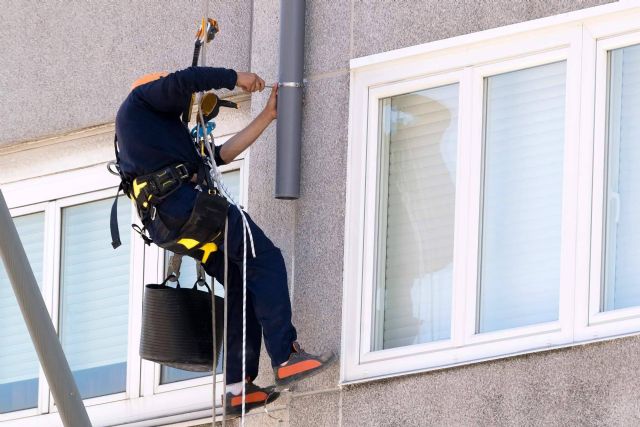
224	334
244	320
216	176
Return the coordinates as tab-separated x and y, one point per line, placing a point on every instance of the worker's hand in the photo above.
249	82
271	109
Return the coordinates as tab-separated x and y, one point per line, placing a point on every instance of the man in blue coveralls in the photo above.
151	136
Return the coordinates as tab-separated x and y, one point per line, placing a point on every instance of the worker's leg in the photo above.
266	287
233	293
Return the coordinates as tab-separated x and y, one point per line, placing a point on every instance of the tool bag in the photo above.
201	235
177	326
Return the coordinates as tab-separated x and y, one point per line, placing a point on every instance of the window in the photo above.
522	197
622	271
491	195
418	132
94	295
18	360
614	299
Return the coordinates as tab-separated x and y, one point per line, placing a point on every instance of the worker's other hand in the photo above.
271	109
249	82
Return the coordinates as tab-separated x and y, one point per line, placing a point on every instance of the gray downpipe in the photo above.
44	337
289	123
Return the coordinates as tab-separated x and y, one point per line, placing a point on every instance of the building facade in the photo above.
465	235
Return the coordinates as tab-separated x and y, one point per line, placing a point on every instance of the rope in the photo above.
216	176
225	345
215	345
244	319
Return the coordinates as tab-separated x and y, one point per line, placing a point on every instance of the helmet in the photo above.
148	78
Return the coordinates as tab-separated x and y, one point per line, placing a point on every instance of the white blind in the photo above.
18	359
622	284
524	138
95	296
419	137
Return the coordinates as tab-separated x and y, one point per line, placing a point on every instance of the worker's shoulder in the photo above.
131	105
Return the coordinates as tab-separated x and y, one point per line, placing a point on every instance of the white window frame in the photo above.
467	60
144	399
597	324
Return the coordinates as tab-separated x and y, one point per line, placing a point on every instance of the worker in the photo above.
152	141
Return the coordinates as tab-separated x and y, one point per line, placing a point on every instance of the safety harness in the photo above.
201	234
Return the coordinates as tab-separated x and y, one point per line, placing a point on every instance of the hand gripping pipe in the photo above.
44	337
290	99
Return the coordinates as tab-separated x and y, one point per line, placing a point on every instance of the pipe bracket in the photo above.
290	84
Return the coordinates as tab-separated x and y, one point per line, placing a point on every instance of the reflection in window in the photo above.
417	203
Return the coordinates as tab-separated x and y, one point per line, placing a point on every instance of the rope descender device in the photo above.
206	32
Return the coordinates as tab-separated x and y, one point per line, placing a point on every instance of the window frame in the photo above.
144	398
623	320
135	297
572	37
375	213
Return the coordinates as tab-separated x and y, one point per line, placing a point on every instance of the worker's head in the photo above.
148	78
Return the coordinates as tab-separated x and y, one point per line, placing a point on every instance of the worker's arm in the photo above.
247	136
171	94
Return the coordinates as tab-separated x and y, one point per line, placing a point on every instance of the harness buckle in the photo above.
182	169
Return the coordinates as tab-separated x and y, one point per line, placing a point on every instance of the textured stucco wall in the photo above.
67	66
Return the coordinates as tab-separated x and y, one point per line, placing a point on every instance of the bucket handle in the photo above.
173	278
199	282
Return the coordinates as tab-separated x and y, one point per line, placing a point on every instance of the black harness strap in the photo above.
115	232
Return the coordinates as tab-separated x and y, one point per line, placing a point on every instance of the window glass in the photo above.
18	359
522	200
188	278
622	269
94	294
417	204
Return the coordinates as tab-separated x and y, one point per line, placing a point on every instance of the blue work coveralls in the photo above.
152	136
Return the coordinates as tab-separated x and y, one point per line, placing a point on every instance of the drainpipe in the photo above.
44	337
289	125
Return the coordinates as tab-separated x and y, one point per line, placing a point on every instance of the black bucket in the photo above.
176	326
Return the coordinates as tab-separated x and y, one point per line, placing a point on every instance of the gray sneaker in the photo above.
301	365
255	396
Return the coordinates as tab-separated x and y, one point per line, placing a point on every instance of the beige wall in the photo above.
67	66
